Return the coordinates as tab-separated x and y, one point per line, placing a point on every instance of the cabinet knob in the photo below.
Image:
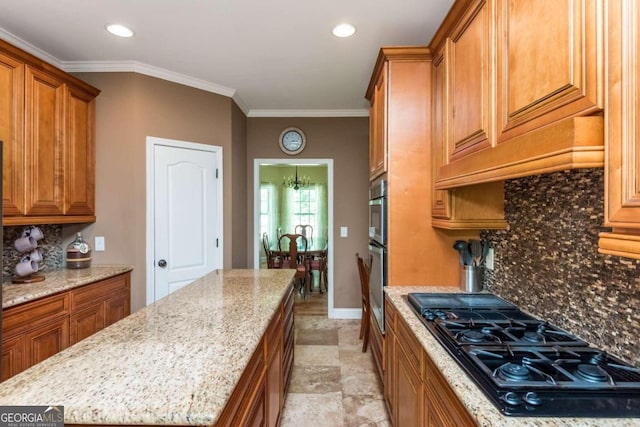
162	263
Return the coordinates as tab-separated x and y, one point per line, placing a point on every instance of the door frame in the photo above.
152	143
257	242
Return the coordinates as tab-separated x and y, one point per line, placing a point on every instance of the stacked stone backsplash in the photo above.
50	246
548	263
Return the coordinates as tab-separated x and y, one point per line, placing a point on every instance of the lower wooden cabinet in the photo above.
36	330
258	398
415	391
98	305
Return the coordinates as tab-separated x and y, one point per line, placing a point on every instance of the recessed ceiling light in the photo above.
344	30
119	30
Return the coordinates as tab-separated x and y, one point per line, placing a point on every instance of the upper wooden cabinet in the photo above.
524	97
622	194
549	64
47	125
378	125
465	208
471	82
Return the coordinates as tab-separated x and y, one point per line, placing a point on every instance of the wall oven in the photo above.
378	248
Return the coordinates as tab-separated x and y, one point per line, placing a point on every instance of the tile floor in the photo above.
333	383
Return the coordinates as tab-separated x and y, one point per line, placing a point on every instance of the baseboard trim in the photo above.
345	313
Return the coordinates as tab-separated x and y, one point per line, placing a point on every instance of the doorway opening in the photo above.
279	208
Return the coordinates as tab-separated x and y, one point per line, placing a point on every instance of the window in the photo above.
305	207
268	210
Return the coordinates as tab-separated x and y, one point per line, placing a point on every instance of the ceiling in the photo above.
275	58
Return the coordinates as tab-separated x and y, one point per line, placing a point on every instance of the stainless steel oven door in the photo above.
378	212
377	220
377	282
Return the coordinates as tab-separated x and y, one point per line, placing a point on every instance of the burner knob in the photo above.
532	398
512	398
428	314
441	314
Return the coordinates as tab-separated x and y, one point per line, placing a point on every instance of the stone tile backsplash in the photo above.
50	246
547	261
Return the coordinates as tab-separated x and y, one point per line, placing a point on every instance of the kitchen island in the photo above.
175	362
480	410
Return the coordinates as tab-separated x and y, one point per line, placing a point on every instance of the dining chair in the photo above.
318	262
273	261
364	268
306	230
296	247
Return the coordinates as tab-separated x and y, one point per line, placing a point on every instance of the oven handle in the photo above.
376	202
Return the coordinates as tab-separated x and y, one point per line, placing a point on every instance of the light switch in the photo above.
99	243
344	231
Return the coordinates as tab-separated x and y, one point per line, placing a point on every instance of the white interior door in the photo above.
186	203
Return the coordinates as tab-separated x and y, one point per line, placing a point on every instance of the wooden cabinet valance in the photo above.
47	126
523	98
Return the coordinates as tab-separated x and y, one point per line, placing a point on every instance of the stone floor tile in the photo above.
361	411
361	381
317	410
316	355
317	337
315	379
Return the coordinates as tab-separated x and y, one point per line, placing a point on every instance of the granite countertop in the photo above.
480	408
174	362
56	281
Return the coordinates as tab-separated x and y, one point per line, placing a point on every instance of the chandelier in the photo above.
297	182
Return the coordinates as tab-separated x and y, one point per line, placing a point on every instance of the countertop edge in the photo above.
56	281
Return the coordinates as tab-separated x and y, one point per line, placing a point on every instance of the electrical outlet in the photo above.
488	262
344	232
99	243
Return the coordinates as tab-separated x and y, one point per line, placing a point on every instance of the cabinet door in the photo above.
378	127
549	63
80	146
45	341
11	126
256	416
86	323
622	194
409	392
471	81
389	383
622	139
44	120
441	204
12	356
117	308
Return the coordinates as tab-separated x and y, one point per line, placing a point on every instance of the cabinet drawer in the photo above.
18	318
411	346
89	294
389	315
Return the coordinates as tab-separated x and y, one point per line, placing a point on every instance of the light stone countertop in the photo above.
176	361
480	408
56	281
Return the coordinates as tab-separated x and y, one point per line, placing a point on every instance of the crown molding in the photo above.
241	104
309	113
148	70
28	47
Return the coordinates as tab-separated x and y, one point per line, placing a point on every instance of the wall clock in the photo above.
292	141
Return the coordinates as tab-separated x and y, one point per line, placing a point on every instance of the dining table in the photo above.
315	257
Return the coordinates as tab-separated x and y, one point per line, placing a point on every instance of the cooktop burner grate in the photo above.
525	365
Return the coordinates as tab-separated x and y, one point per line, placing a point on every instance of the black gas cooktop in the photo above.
526	366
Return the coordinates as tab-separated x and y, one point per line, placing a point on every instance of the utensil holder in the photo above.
470	278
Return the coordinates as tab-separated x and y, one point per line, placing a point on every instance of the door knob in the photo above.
162	263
